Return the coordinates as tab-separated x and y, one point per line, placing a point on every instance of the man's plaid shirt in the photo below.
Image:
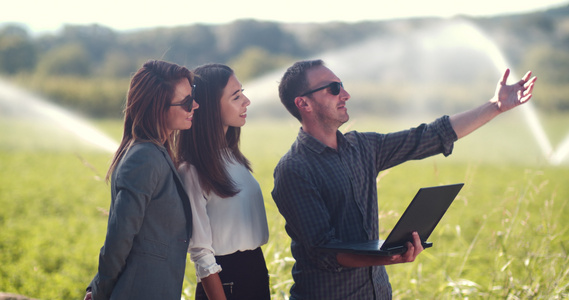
330	195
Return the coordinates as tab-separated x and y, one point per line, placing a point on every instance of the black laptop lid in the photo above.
423	214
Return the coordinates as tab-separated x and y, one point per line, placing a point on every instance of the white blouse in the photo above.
223	226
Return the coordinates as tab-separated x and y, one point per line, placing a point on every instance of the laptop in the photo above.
422	215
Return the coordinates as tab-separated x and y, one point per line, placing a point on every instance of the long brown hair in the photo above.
203	145
147	103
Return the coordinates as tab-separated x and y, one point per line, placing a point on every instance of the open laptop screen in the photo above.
422	215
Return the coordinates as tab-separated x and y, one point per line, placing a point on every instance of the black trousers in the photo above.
244	276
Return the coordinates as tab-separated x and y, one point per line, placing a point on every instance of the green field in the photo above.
505	237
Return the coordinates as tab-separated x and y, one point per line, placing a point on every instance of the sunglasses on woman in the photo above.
188	102
334	86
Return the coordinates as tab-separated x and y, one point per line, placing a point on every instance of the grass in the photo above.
505	237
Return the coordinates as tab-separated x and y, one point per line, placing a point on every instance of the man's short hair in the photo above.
294	83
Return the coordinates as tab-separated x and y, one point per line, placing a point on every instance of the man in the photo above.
325	185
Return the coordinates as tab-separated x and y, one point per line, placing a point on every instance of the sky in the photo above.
41	16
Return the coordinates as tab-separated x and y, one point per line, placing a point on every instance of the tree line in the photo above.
88	67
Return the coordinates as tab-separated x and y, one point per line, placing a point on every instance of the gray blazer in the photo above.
144	254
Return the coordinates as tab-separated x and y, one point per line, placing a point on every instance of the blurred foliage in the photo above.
551	64
98	96
17	50
86	67
67	59
255	61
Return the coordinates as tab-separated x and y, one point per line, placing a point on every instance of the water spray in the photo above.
35	105
481	41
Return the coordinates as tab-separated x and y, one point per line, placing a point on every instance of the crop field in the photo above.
506	236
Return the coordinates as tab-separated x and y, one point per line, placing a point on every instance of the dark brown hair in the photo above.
205	145
294	83
151	90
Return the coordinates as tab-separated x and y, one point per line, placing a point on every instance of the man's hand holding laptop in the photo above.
362	260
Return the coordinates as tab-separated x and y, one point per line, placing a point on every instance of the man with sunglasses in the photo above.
325	185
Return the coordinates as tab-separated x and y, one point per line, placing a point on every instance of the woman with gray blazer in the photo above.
150	219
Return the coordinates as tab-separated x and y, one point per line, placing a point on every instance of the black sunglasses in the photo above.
188	102
334	88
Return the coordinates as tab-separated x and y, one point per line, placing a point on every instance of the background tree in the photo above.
17	50
67	59
551	65
255	61
81	66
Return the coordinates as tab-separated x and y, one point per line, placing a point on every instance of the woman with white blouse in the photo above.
229	220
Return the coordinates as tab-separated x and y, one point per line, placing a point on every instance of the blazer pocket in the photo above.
155	249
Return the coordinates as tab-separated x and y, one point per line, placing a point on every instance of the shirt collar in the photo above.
315	145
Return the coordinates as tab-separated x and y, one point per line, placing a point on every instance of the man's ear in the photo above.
302	104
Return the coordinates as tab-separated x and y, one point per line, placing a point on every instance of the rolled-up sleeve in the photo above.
446	133
415	143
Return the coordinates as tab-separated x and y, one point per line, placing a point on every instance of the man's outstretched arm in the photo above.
505	98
